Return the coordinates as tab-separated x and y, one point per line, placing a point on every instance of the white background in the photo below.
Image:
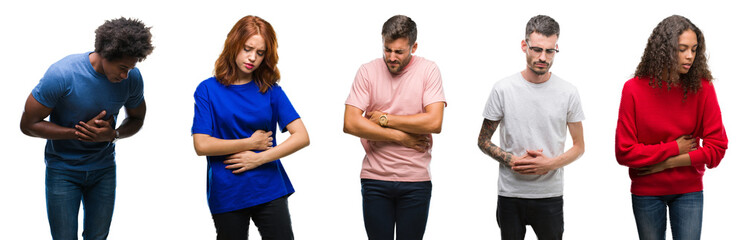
161	181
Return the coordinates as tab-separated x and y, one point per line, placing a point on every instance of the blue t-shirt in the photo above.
76	92
235	112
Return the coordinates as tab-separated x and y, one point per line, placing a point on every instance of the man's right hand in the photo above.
261	140
417	142
96	129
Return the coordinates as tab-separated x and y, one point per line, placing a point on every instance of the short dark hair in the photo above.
122	37
400	26
542	24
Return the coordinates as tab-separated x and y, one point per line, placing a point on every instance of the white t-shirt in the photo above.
532	116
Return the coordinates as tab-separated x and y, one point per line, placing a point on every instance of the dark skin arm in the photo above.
34	125
96	129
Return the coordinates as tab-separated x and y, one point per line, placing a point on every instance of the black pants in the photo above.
271	218
395	207
543	214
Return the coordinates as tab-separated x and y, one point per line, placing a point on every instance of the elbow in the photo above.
347	128
436	130
306	141
435	127
200	151
26	129
581	149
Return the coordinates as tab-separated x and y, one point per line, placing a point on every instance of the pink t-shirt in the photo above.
408	93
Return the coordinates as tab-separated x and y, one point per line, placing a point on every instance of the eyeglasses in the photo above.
538	50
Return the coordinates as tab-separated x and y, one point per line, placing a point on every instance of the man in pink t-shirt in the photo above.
395	103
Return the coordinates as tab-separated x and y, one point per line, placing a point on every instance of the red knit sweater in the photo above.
651	119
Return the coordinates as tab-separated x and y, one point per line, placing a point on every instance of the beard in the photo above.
533	68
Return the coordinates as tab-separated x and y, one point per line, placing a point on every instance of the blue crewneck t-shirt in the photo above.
76	92
236	112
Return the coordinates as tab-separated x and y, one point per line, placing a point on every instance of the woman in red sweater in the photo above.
669	129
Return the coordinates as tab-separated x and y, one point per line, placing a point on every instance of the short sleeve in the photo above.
575	108
434	89
283	108
136	89
359	96
203	112
51	88
494	106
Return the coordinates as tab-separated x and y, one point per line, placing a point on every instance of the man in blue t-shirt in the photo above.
82	94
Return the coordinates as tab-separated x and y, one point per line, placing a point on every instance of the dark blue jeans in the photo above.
65	190
271	218
685	211
543	214
390	206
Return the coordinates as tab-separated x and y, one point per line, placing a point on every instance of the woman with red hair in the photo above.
235	117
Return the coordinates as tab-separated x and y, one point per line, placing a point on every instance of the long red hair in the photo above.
267	74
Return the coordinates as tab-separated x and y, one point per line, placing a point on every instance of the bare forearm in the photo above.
419	123
357	125
48	130
291	145
488	147
496	152
579	146
569	156
206	145
129	127
427	122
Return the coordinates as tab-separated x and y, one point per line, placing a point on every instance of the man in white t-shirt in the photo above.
395	103
535	109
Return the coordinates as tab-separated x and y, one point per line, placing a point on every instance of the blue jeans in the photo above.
543	214
685	211
65	190
390	206
271	218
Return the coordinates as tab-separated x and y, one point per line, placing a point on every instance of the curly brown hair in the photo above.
660	60
267	74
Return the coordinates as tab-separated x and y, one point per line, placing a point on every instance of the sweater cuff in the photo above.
697	158
670	149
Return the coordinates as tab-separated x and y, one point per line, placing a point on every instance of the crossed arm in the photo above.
242	151
96	129
408	130
533	162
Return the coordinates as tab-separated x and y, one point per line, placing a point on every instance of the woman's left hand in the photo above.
243	161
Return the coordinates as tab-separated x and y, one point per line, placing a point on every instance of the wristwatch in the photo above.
116	138
383	120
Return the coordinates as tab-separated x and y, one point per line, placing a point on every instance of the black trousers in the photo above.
544	215
271	218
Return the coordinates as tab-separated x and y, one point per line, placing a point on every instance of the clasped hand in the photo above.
533	162
96	129
246	160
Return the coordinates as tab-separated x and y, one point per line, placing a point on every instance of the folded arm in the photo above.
34	125
427	122
356	124
246	160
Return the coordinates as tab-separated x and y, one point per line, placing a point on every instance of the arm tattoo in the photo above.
487	146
